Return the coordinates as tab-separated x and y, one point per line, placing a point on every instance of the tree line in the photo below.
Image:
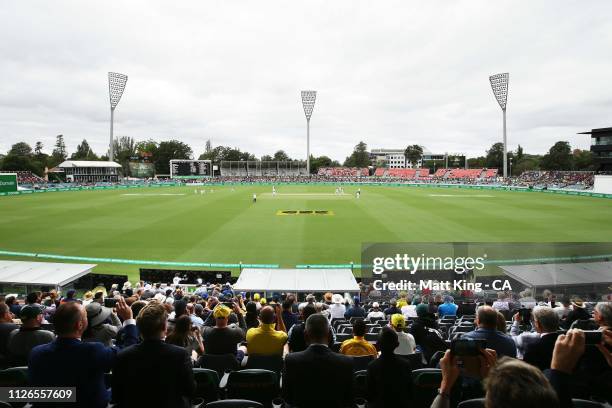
22	156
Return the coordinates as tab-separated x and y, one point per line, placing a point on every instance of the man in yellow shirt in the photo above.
265	339
358	346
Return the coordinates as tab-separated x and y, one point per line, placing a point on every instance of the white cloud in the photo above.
390	73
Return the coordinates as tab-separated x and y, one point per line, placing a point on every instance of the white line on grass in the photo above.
153	194
461	195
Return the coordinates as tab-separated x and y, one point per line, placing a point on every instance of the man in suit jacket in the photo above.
317	376
153	373
537	347
69	362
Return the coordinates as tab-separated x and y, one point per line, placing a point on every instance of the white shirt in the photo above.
409	311
375	315
176	280
562	311
337	310
407	345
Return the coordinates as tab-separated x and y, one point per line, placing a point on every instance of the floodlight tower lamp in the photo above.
116	86
308	101
499	85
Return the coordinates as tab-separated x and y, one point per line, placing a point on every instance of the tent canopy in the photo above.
588	273
42	273
297	280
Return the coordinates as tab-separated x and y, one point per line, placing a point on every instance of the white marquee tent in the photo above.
297	280
42	273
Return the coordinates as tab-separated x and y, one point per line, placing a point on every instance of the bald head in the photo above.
267	315
486	317
70	320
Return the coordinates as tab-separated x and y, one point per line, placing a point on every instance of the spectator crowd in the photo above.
150	346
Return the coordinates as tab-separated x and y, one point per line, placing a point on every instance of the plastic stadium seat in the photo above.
472	403
354	319
360	384
207	384
340	337
221	363
580	403
361	362
372	337
415	360
272	363
254	385
14	377
426	382
234	403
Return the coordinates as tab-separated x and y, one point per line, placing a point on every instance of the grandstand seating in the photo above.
380	172
343	171
26	177
441	172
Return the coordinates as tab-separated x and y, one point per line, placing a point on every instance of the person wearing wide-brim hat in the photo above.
102	324
578	312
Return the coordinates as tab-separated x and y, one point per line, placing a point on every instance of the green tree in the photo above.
169	150
495	156
281	156
559	157
583	160
477	162
59	152
519	153
360	156
267	157
146	146
83	152
38	148
413	154
321	161
208	146
20	149
124	148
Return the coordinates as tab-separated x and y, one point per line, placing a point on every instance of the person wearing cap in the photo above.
70	362
426	332
224	338
102	324
69	296
358	346
392	309
21	341
356	310
375	313
389	374
578	312
337	309
407	345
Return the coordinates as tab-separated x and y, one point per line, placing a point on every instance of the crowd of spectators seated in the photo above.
343	172
26	177
557	179
154	346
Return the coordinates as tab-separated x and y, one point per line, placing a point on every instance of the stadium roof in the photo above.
42	273
85	163
588	273
297	280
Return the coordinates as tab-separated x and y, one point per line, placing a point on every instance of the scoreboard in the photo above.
190	168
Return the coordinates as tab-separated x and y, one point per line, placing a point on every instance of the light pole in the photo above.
499	85
510	163
308	101
116	85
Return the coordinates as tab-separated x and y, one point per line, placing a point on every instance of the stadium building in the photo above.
90	171
395	159
601	147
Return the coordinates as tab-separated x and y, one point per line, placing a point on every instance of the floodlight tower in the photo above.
499	84
116	85
308	101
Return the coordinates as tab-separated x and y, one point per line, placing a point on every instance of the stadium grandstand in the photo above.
262	168
219	344
26	177
340	172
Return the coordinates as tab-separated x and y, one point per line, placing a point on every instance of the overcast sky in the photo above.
390	73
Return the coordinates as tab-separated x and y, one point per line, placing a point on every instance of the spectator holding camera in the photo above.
186	335
536	346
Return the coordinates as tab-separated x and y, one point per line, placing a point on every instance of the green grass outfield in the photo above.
174	224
